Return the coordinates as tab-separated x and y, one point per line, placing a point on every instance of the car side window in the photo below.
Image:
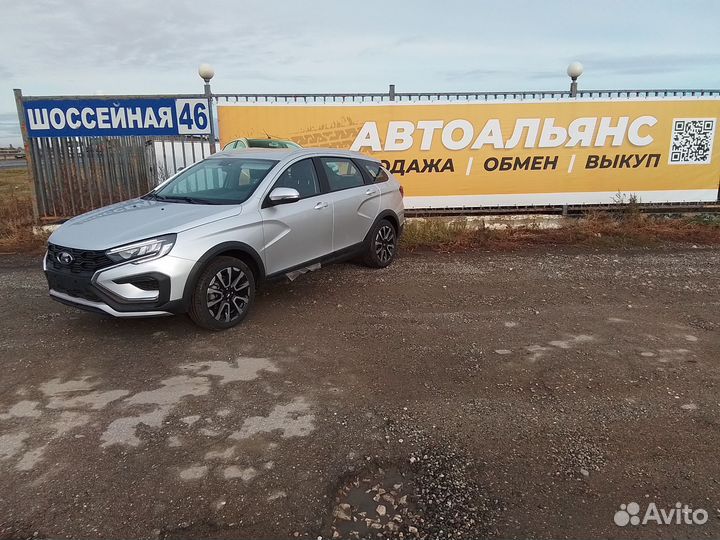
342	173
376	172
300	176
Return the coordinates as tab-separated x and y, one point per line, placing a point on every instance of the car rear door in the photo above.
355	202
297	232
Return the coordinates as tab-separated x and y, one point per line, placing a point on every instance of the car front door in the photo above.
355	203
301	231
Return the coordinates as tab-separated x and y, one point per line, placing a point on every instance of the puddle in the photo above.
291	420
222	455
379	502
70	404
12	444
233	471
171	391
22	409
242	369
55	387
195	472
124	430
571	341
94	400
432	495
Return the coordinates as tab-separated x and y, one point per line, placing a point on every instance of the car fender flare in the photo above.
382	215
214	252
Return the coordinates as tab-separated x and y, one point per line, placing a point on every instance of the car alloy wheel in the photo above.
228	294
385	243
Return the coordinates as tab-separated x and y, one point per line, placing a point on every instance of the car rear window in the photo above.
342	173
376	172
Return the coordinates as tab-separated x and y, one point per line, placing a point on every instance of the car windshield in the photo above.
216	181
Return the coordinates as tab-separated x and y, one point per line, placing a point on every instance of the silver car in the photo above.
203	240
241	144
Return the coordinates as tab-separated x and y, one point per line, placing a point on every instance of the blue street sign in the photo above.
117	117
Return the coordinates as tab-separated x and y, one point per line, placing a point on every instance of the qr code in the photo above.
692	141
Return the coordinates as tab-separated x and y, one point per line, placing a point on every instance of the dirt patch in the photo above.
546	386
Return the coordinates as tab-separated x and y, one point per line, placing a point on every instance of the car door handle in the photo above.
370	191
320	205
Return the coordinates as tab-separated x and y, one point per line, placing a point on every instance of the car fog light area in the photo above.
144	283
147	249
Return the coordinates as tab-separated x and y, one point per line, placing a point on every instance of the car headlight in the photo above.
154	248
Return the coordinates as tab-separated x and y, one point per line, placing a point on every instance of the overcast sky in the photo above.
56	47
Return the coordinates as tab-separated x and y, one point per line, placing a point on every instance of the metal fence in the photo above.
72	175
391	95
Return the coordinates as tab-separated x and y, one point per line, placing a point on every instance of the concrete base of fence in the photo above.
538	221
44	230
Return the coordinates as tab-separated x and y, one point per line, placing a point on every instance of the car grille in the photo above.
72	285
83	261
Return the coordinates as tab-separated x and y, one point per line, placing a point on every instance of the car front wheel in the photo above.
223	294
382	245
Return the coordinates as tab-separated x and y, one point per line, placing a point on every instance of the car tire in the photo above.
381	245
223	294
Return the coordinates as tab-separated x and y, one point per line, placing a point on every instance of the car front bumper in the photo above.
132	289
101	307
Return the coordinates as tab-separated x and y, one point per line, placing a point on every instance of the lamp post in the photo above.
574	70
207	72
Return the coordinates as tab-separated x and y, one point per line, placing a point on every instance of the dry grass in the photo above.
598	229
16	214
16	226
626	227
14	182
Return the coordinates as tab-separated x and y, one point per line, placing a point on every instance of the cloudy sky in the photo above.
140	46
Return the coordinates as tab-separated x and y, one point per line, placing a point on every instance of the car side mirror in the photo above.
284	195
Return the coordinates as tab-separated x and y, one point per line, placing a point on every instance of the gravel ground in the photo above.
512	395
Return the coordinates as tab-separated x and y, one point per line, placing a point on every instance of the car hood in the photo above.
135	220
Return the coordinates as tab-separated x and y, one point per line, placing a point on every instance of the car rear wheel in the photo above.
381	246
223	294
